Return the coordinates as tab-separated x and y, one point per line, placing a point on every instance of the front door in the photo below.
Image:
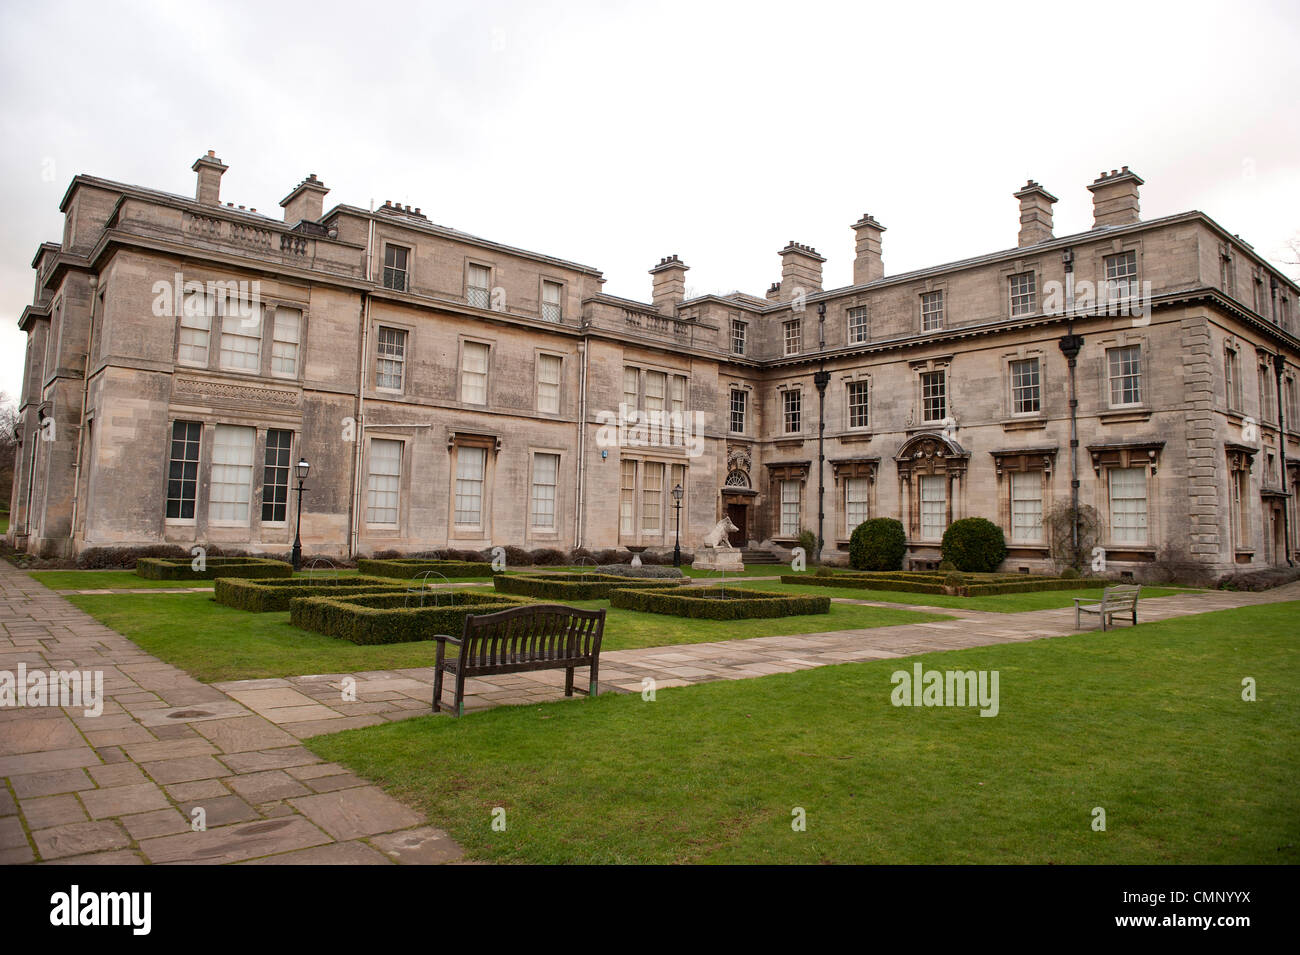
737	514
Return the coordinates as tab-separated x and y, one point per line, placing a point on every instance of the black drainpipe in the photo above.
1279	363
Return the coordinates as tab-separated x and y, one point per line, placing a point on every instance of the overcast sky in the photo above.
616	133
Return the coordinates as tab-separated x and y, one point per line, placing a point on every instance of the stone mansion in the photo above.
449	391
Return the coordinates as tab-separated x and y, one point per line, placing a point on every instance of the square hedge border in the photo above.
579	586
376	618
181	568
716	603
407	569
263	596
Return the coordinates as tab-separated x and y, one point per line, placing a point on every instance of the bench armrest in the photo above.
444	638
1087	600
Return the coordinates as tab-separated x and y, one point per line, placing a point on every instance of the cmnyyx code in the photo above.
75	907
946	688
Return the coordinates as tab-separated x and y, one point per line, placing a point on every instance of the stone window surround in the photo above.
1024	353
269	306
538	354
1241	461
531	531
470	262
408	272
939	363
1118	246
1124	338
930	454
544	279
855	467
928	288
208	422
1019	461
491	445
638	537
851	378
778	472
748	390
461	342
373	377
1127	454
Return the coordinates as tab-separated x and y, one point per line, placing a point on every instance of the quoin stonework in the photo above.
454	392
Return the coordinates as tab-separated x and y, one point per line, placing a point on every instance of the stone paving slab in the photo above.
121	788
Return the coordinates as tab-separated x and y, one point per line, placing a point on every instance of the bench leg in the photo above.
594	687
568	682
460	694
1077	624
437	689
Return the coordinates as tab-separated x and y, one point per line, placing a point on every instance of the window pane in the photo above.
1125	366
232	474
652	497
548	384
858	398
241	340
855	503
478	293
183	469
738	398
1025	393
931	311
384	481
934	396
627	499
470	463
284	345
551	302
1026	506
391	348
790	508
546	472
934	506
473	377
275	475
1128	505
793	411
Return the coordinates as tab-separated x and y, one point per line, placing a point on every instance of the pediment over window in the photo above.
931	453
1241	457
1025	459
473	439
788	470
1127	454
855	468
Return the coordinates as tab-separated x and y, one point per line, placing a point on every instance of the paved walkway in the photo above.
122	787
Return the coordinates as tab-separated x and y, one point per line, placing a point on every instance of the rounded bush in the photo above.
974	545
1070	574
878	544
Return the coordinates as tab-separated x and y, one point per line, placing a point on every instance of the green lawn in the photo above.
1146	723
214	642
129	580
1002	603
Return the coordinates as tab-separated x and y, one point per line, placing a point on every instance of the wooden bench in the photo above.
538	637
1113	600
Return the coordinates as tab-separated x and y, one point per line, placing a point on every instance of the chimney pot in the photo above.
306	202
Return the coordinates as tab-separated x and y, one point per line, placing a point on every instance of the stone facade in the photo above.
453	392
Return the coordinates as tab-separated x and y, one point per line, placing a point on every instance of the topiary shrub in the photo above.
262	596
1070	574
878	544
161	568
397	617
517	556
823	572
954	582
808	541
947	566
974	544
409	568
575	586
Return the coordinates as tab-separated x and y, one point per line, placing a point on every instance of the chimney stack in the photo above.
801	268
209	168
1115	198
669	284
773	292
1035	214
868	265
305	202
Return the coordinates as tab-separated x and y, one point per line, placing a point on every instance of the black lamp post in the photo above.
677	543
821	380
1071	344
303	468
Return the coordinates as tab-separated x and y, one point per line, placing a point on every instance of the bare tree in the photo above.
8	447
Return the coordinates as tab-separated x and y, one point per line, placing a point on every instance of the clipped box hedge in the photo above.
406	569
579	586
261	596
181	568
396	617
716	603
1002	584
